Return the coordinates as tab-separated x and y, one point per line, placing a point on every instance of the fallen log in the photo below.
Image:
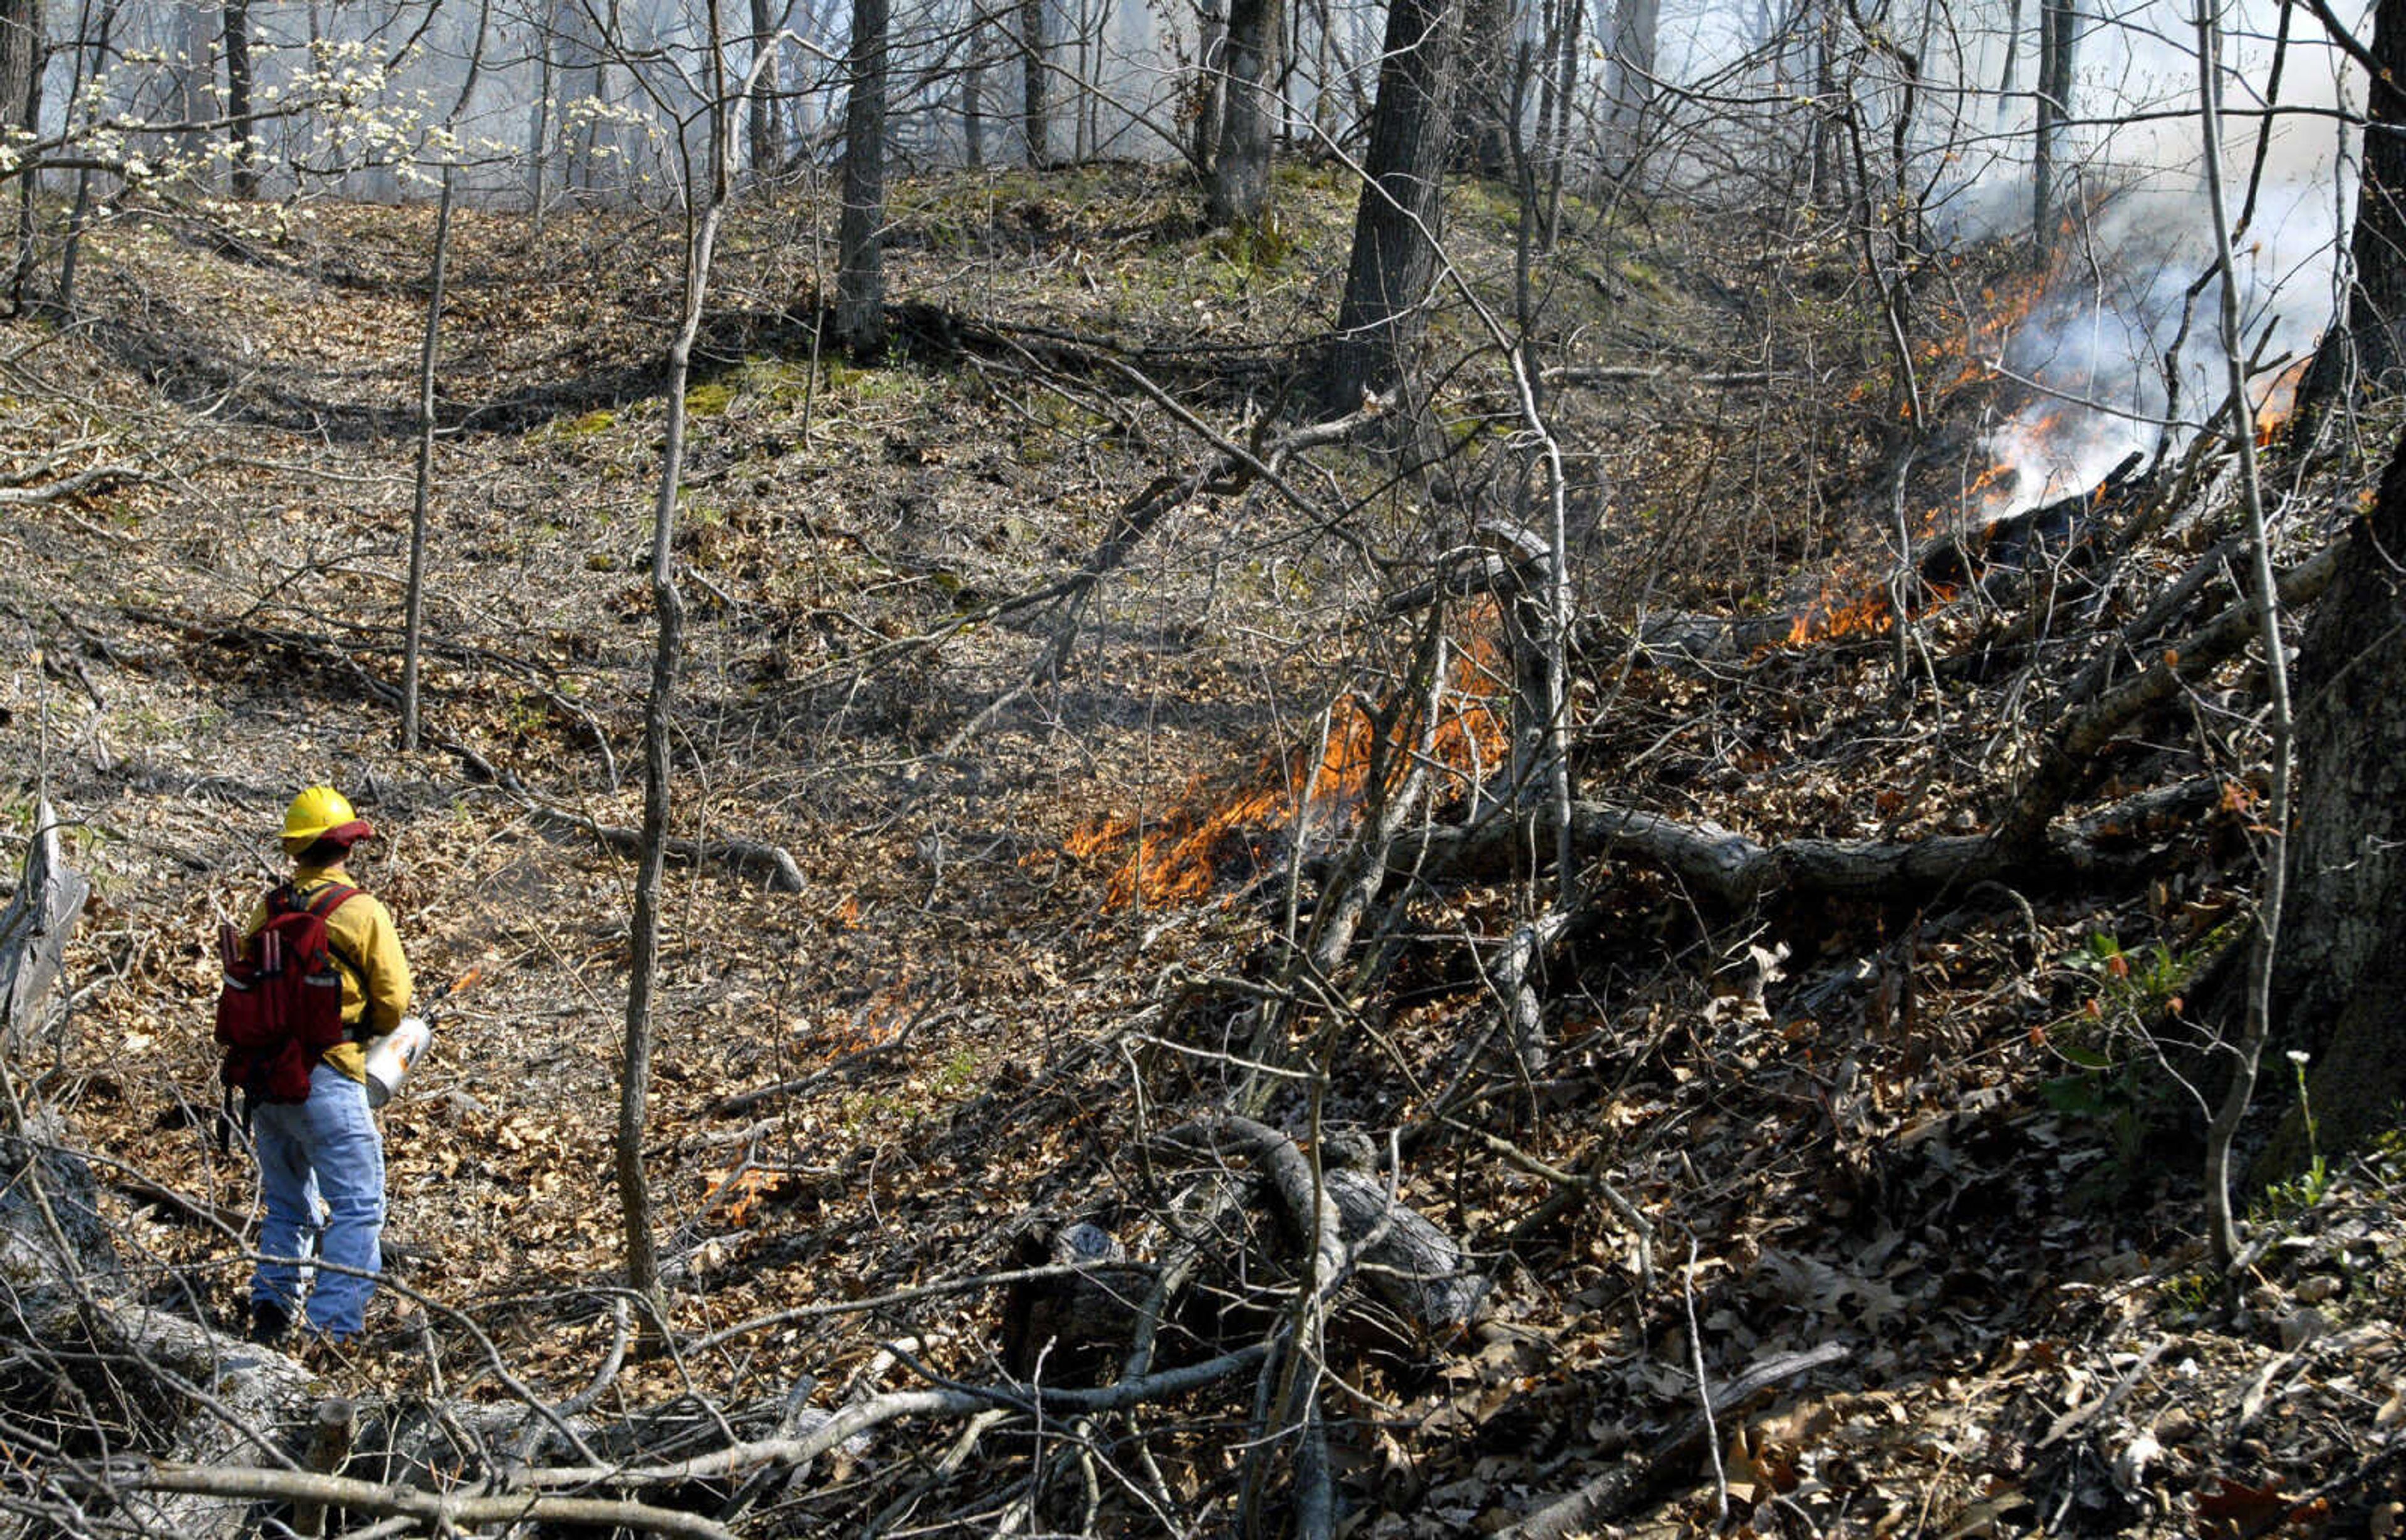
1721	865
1414	1267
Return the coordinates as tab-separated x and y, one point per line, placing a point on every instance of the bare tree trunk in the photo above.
1323	73
539	127
635	1069
1565	91
97	48
860	274
2258	1027
1394	261
2370	346
238	68
21	54
1629	94
2058	34
195	83
413	598
768	152
1486	88
2341	977
973	96
1210	83
1033	83
1080	125
1240	177
2008	77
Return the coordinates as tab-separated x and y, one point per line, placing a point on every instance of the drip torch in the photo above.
391	1056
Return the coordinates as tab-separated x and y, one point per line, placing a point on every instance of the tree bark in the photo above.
1394	262
195	84
1483	99
1240	177
860	273
2058	34
21	56
21	86
2343	943
238	68
973	97
414	596
1636	26
92	57
1034	107
1211	84
761	125
2373	334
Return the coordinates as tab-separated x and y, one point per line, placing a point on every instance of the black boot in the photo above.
269	1322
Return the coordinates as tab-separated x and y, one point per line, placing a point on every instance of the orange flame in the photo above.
2280	402
1181	856
1864	612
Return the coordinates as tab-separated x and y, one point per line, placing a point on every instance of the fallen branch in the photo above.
948	1400
1590	1182
1630	1480
745	857
1351	1222
447	1512
1640	373
57	491
2068	757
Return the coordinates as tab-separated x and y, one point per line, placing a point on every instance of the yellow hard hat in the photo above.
321	812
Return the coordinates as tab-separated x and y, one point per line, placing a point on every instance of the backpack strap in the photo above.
322	904
285	898
327	899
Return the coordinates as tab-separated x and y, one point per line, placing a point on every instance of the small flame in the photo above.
2279	402
1859	609
744	1189
1182	854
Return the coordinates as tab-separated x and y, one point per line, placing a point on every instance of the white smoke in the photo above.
2132	280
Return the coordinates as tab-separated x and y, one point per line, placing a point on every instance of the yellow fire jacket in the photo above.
367	953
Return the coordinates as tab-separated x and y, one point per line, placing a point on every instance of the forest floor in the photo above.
1945	1138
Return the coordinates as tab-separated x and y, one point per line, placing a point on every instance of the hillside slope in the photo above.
1926	1147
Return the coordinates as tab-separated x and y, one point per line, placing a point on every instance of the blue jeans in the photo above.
326	1147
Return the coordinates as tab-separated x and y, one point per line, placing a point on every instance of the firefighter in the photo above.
327	1148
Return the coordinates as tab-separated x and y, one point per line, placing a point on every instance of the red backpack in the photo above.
282	1004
